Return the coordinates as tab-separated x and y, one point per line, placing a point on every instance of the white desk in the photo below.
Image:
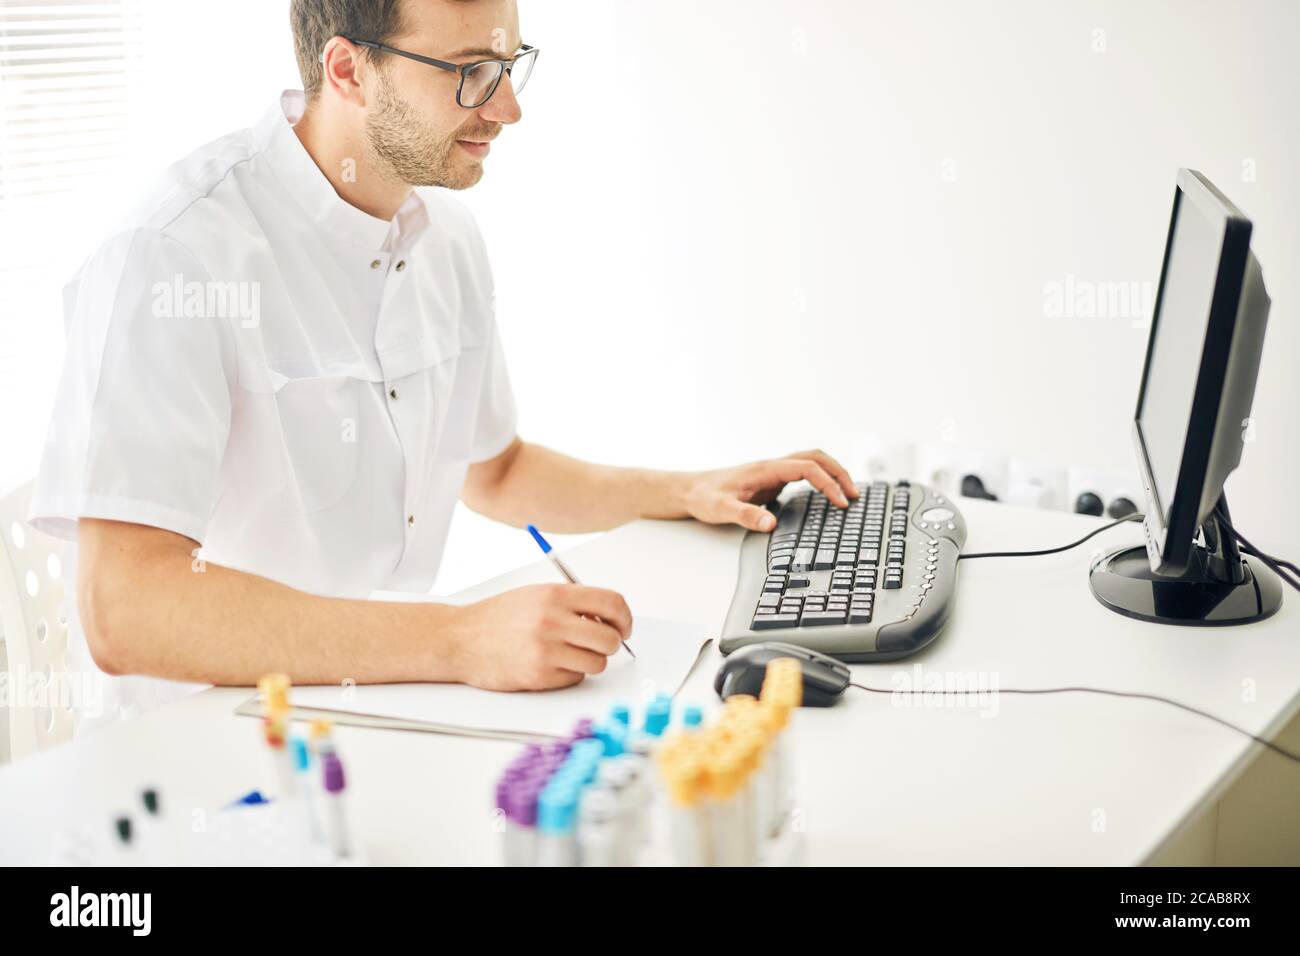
1056	779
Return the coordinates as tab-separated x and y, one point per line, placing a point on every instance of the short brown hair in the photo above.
314	22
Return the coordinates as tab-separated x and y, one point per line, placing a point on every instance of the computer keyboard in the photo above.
871	582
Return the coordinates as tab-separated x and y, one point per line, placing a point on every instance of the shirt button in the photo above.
401	265
410	521
392	393
375	264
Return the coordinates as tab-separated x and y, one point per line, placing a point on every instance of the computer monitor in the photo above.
1193	411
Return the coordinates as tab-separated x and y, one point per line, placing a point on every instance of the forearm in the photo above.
569	496
148	608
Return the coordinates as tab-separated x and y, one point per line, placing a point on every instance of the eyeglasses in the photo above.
478	80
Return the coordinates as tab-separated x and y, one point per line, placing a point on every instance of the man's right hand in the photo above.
538	637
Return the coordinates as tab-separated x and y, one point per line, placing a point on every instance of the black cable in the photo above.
1286	564
1099	690
1276	564
1064	547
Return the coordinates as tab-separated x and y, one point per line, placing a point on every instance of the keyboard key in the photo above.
819	618
859	617
769	621
825	560
798	581
792	515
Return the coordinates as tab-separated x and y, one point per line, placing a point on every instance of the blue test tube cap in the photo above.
612	736
587	759
657	713
621	713
693	716
589	750
557	808
300	752
567	778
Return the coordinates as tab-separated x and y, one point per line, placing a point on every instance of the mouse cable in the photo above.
1277	565
1136	695
1064	547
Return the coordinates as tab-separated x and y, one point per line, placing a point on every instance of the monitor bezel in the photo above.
1170	542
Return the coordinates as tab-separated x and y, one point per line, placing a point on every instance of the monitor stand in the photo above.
1220	587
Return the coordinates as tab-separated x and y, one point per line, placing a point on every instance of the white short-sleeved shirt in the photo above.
262	367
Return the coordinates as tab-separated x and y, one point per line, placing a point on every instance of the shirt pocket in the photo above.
301	452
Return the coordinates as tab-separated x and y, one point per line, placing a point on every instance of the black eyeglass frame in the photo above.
459	68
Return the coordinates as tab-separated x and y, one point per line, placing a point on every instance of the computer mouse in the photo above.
824	678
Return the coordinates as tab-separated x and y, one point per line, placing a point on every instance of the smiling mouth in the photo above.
474	147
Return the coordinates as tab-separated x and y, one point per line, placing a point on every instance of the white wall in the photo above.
757	226
732	229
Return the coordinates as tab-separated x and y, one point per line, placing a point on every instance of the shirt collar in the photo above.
300	176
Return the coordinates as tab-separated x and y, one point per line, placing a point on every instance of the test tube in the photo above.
556	811
519	802
637	750
723	779
335	815
598	826
305	793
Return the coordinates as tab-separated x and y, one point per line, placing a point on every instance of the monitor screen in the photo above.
1178	338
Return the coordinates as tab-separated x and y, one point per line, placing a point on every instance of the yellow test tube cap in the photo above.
783	682
275	692
681	775
724	772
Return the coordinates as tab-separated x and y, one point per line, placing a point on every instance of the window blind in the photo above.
65	74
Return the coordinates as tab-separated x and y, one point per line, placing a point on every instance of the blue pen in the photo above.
555	560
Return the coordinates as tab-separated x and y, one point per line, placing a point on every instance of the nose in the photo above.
503	107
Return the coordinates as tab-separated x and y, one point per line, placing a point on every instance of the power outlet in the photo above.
1108	486
875	458
1037	484
943	467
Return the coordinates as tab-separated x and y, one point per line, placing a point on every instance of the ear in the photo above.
343	68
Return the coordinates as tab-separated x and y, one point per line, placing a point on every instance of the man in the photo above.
281	377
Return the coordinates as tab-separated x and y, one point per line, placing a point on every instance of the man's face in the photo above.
414	124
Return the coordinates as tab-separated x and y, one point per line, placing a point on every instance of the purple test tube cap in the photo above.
333	774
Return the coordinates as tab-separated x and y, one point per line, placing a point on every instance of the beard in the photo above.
415	153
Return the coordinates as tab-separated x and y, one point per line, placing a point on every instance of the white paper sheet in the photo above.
665	651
